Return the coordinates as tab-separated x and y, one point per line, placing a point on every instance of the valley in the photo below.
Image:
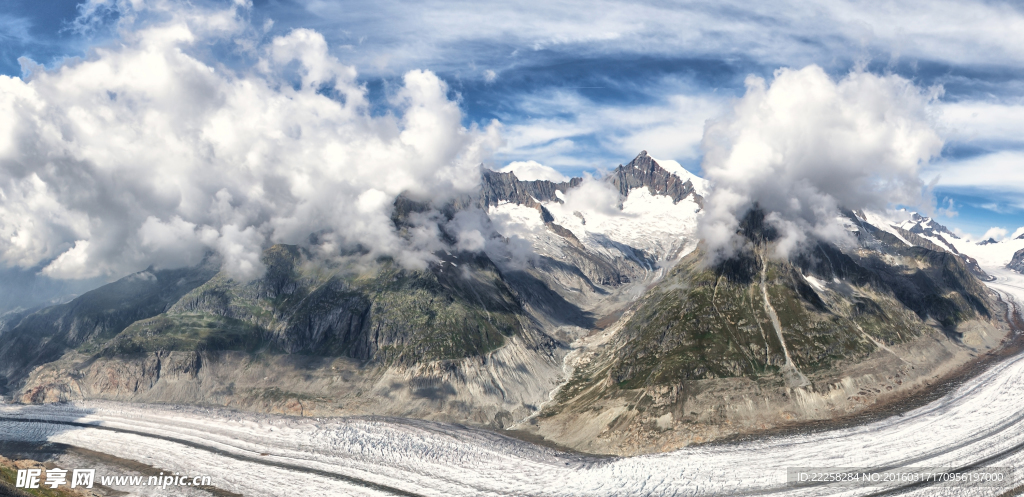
587	316
978	423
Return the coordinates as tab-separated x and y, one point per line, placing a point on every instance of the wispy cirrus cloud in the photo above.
444	33
560	128
15	29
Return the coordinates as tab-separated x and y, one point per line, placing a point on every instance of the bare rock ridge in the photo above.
643	171
927	226
921	230
1017	263
505	187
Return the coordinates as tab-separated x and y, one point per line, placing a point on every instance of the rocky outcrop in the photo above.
499	187
927	226
643	171
1017	263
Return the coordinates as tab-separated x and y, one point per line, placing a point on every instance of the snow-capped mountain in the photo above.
640	212
583	311
988	253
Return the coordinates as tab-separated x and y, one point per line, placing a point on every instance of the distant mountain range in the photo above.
603	327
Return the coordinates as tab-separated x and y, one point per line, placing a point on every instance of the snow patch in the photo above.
700	185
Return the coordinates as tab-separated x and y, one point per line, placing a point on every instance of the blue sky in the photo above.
584	86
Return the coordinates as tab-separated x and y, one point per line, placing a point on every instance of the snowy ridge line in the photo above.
215	450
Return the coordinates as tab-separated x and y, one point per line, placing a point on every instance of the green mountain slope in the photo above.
707	344
94	317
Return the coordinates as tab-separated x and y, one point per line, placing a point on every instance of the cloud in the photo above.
148	153
532	170
561	124
594	196
449	34
15	29
979	121
1018	233
805	146
1002	170
995	233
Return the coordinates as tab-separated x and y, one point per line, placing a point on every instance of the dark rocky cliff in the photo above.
643	171
1017	263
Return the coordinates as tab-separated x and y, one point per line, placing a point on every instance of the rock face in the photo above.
921	231
927	226
723	326
505	187
1017	263
387	315
643	171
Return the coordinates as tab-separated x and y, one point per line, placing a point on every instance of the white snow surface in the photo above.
652	223
992	255
982	419
533	170
887	221
700	185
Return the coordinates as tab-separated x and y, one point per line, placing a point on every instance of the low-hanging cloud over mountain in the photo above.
805	146
150	152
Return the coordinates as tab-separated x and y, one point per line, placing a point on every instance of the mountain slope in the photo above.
752	342
100	314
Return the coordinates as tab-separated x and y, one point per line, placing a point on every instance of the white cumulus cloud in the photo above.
995	233
146	152
805	146
532	171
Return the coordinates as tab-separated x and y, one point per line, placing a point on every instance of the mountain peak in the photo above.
644	171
